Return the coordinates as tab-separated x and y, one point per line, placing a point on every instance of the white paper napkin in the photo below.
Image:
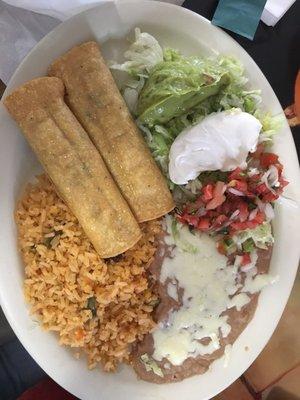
23	23
274	11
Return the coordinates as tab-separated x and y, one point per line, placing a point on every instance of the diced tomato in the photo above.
251	224
211	214
239	226
243	209
218	196
203	224
241	186
219	221
283	183
261	189
225	207
246	259
180	218
250	195
256	177
215	202
279	167
235	174
238	184
269	197
213	208
207	191
259	218
267	159
191	219
253	183
219	189
259	150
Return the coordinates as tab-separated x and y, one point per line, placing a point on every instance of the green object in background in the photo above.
239	16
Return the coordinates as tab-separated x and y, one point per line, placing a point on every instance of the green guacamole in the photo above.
174	87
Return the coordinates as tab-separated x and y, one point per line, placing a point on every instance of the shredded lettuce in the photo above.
159	145
151	365
179	234
271	124
261	236
143	54
174	229
171	54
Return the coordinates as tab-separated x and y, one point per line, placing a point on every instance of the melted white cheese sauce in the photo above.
172	291
221	141
257	283
209	286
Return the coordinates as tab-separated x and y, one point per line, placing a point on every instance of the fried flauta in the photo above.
74	165
94	98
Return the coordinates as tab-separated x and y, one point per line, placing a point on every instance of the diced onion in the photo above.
269	211
273	175
252	172
234	214
248	267
236	192
253	214
270	178
260	204
238	261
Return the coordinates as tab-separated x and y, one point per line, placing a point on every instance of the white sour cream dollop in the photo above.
221	141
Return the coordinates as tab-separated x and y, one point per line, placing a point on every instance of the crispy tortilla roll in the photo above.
97	103
74	165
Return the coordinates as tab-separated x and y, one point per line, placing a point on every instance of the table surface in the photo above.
277	53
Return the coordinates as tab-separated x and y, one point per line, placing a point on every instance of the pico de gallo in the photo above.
229	203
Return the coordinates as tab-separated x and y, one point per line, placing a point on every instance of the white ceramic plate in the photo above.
110	24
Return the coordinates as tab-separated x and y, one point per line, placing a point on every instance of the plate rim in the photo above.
123	3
